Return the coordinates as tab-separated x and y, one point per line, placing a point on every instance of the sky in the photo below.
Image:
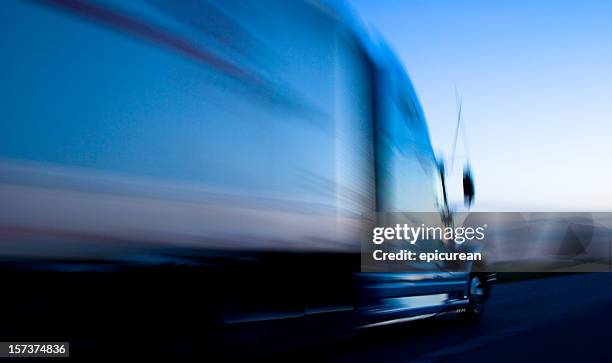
536	82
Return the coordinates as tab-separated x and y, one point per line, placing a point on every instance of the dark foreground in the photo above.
141	315
562	319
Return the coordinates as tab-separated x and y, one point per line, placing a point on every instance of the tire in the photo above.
477	297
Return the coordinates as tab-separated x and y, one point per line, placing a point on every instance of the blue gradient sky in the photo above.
536	81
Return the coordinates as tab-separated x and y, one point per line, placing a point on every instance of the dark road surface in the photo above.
561	319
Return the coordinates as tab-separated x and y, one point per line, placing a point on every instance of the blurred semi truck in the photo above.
200	171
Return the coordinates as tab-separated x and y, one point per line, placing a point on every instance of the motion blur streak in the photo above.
148	31
116	157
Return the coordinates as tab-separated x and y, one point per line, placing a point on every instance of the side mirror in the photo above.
468	187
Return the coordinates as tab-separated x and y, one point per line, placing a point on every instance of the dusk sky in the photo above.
536	82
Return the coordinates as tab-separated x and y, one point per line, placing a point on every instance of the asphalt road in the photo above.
561	319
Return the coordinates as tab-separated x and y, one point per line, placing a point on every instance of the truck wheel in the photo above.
476	299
